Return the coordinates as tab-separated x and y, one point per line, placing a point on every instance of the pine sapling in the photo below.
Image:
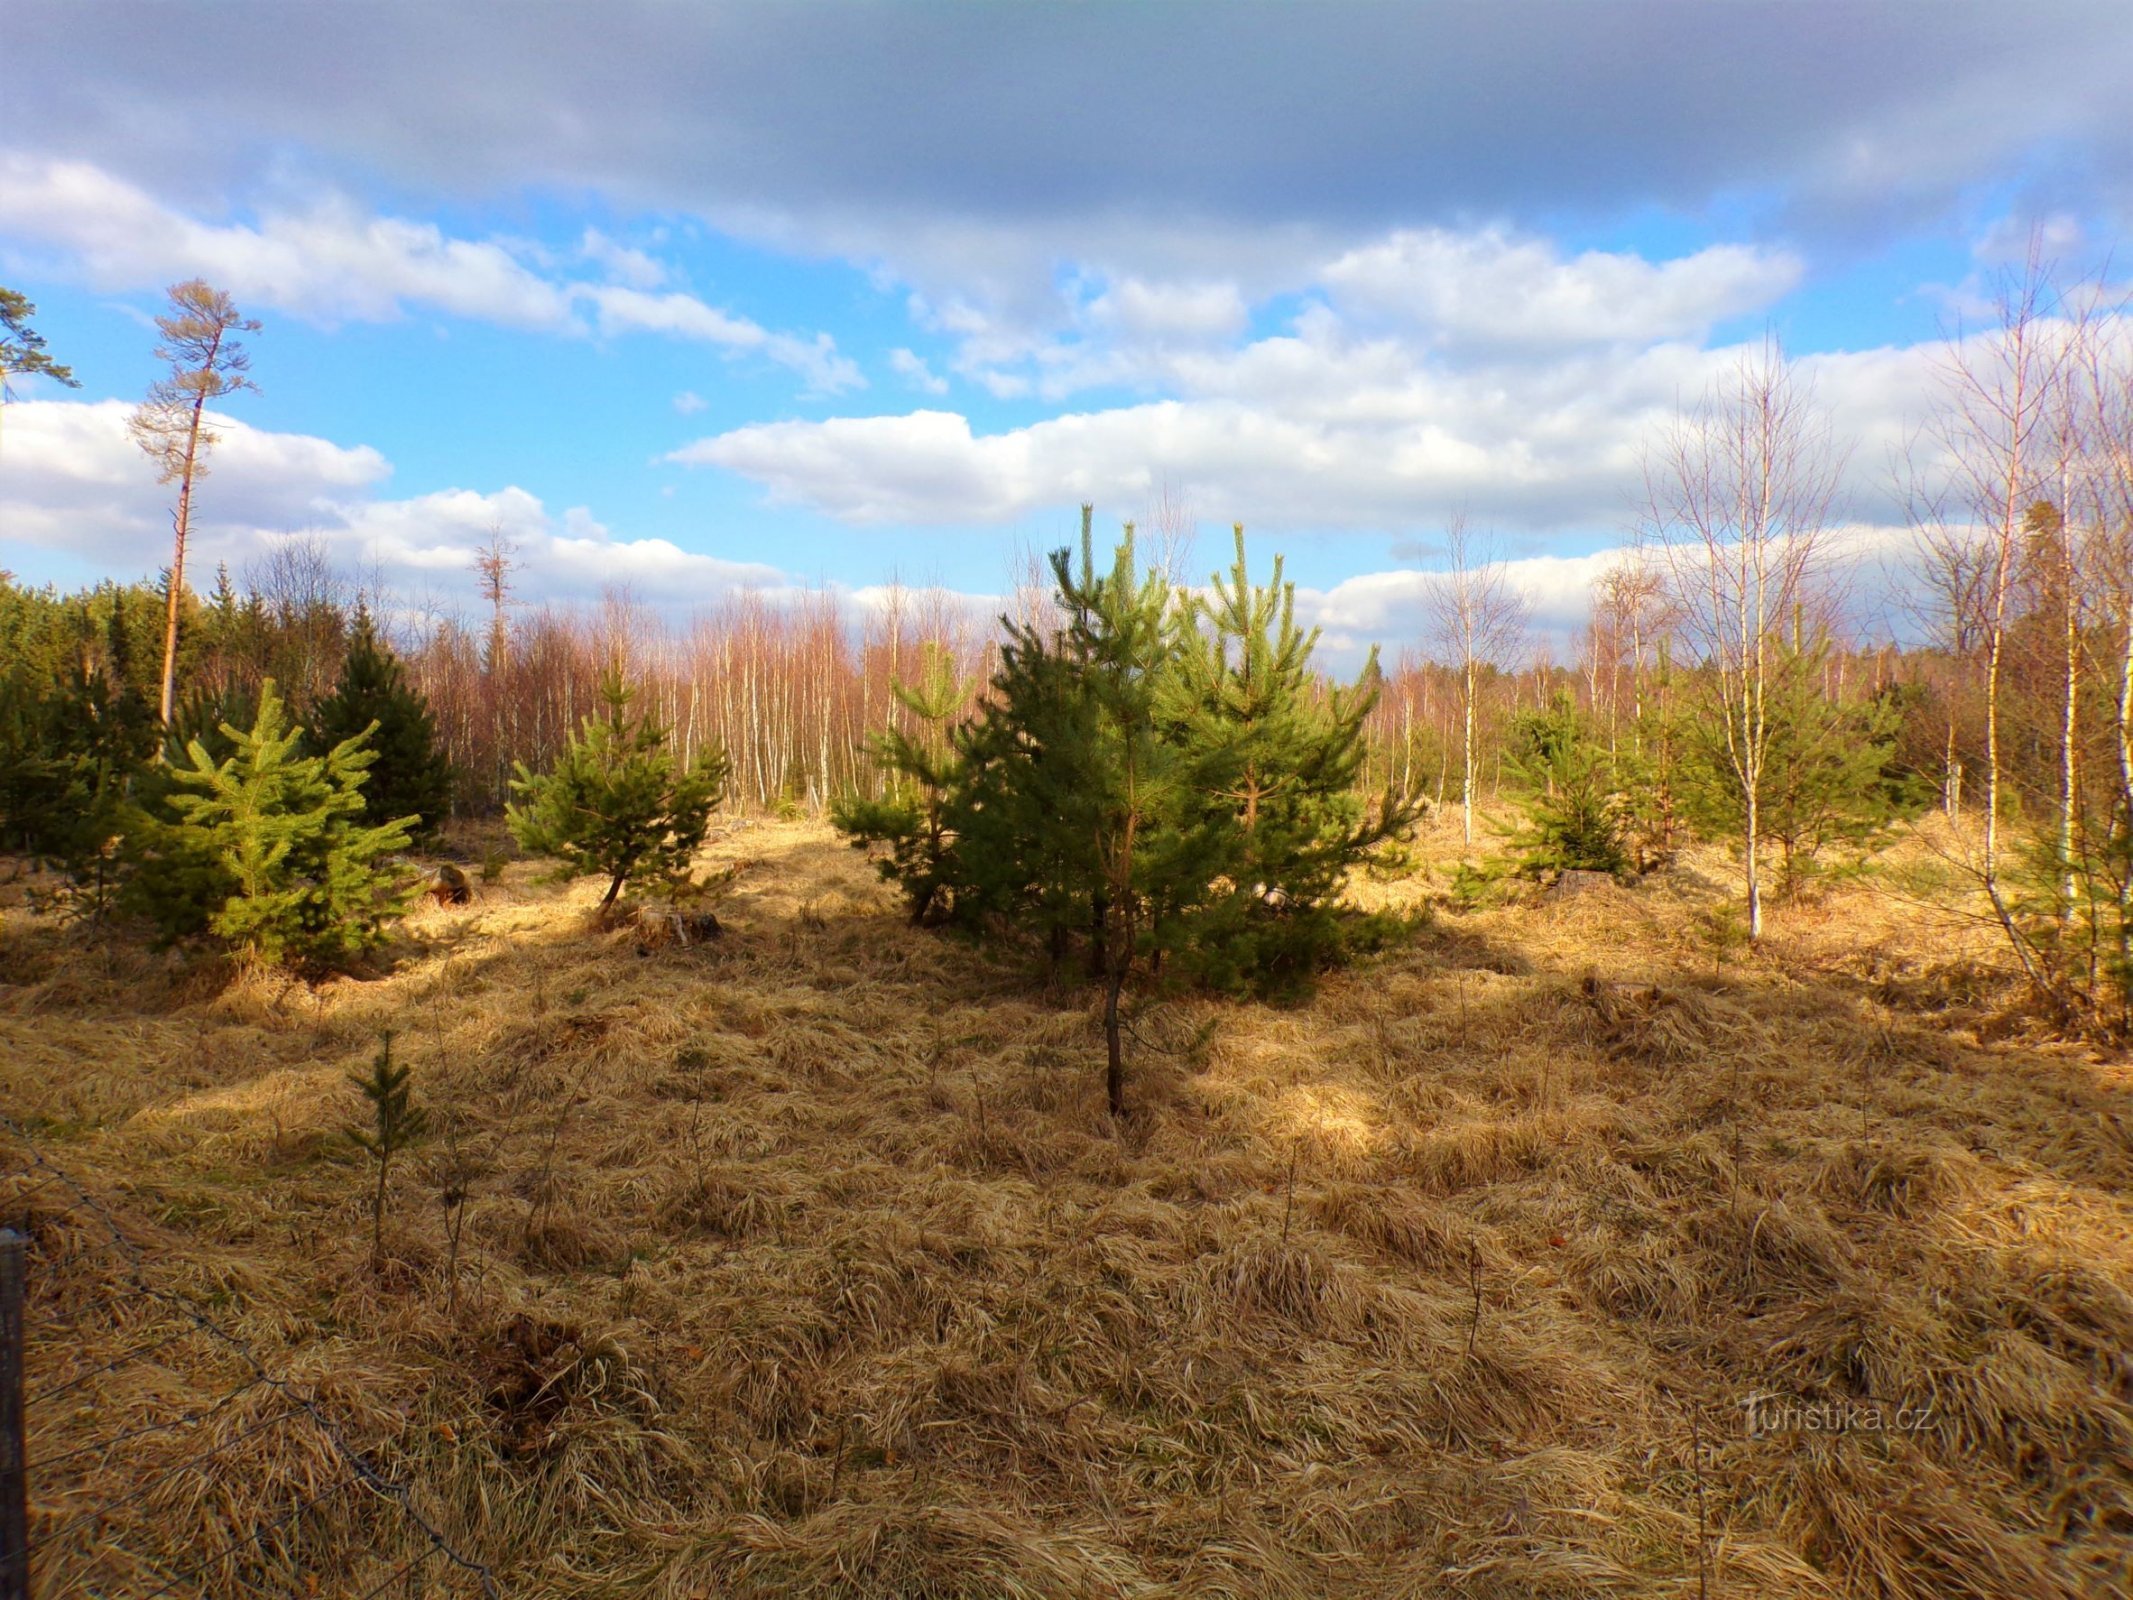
455	1180
396	1123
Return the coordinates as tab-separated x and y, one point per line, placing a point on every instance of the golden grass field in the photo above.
807	1263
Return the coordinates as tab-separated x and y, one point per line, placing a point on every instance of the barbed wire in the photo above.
358	1471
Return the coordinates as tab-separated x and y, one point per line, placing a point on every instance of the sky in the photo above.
689	297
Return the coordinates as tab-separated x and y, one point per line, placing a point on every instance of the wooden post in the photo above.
14	1464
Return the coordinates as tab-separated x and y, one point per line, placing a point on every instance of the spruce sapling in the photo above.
396	1123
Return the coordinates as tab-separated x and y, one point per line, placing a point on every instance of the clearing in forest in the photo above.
1555	1252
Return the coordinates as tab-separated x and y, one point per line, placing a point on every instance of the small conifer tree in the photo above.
1152	856
915	818
106	736
1155	777
1076	806
395	1123
411	777
73	743
617	802
1295	750
265	849
1569	790
1829	779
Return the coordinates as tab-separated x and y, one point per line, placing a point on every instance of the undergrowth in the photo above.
807	1261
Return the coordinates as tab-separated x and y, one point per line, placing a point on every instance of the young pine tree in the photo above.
410	777
265	849
69	754
1570	792
914	820
1294	750
617	802
1827	780
395	1123
1085	809
1150	778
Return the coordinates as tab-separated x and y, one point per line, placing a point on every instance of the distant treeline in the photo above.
794	688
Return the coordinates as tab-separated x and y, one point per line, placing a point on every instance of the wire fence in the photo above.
147	1450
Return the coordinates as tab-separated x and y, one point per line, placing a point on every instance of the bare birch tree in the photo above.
206	363
1174	535
2000	392
1946	586
2105	411
1477	617
1631	609
1738	493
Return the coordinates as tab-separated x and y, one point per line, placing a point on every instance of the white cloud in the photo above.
1423	373
1313	430
72	481
912	368
426	545
624	310
623	263
1137	309
332	263
1495	289
689	402
329	263
1171	310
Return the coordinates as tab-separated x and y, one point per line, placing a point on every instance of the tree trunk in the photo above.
2069	725
1114	1045
1755	883
377	1218
1466	778
2125	820
182	525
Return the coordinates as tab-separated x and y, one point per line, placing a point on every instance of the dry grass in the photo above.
805	1261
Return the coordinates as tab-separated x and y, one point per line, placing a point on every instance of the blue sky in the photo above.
689	297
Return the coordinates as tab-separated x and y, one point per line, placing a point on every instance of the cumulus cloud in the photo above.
425	546
1486	292
1492	289
331	263
1157	311
77	484
1316	428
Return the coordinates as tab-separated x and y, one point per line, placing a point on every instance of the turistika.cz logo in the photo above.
1775	1413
